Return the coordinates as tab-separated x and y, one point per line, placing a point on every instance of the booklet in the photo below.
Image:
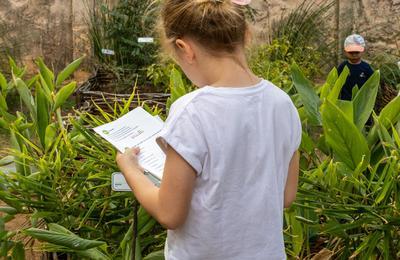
140	129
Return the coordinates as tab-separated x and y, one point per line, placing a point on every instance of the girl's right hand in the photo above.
128	162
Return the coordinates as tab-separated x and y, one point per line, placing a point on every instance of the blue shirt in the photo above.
359	74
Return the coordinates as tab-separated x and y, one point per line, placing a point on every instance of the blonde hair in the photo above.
217	25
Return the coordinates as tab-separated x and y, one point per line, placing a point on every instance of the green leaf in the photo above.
176	86
354	92
43	116
46	74
63	94
307	143
307	94
6	160
334	94
61	238
63	75
3	83
8	210
389	115
3	102
46	89
368	245
26	96
364	101
17	71
347	142
157	255
18	252
347	107
51	133
330	82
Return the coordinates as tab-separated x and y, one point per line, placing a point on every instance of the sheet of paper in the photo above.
137	129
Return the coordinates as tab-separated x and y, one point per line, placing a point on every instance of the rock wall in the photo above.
377	20
56	29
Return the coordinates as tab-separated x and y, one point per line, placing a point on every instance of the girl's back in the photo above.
240	142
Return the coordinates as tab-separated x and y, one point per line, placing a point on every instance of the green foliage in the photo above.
62	175
272	61
118	27
160	74
389	67
8	245
306	31
349	186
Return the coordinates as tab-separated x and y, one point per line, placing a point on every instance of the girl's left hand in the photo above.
128	161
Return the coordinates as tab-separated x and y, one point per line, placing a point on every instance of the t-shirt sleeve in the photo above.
297	129
184	135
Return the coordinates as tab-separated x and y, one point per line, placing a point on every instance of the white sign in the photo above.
118	182
145	39
107	52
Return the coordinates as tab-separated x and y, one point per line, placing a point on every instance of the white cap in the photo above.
354	42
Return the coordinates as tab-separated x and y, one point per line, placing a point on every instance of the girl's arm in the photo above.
292	180
170	203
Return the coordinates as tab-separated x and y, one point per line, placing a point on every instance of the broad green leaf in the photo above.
3	102
93	253
65	73
354	92
330	82
365	100
296	230
71	241
63	94
46	74
307	143
51	133
45	88
8	210
3	83
307	94
6	160
347	107
389	115
347	142
16	71
157	255
334	94
26	96
42	120
3	123
176	86
18	252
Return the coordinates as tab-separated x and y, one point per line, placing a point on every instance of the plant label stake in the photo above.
145	40
107	52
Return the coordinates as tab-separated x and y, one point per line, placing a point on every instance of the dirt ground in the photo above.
20	222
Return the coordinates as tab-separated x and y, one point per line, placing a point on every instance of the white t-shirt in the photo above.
240	142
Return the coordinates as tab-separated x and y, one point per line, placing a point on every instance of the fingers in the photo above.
133	150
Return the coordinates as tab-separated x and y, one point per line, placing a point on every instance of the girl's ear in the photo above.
185	50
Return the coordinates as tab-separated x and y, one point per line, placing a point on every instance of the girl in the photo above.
231	158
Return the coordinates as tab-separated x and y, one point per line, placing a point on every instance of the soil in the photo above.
20	222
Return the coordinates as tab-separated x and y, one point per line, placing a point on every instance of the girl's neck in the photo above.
229	71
